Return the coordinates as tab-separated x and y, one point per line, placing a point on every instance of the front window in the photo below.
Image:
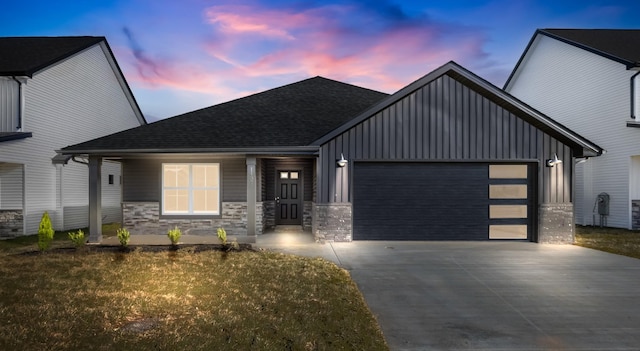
191	189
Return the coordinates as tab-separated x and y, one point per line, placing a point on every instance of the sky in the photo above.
179	56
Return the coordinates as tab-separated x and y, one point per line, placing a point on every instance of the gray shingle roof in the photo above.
621	45
23	56
293	115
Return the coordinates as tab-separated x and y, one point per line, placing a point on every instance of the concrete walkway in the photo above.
487	295
492	295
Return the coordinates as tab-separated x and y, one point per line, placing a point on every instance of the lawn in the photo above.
619	241
178	300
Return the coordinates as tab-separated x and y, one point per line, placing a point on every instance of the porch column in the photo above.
251	196
95	199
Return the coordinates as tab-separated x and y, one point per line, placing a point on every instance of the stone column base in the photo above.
332	222
555	224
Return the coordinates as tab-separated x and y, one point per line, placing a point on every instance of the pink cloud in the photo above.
252	48
322	41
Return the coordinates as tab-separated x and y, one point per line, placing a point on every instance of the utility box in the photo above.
603	204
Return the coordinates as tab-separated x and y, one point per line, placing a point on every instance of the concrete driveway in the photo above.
493	295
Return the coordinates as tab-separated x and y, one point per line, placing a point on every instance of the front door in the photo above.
288	197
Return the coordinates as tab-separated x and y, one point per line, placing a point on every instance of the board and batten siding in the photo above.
591	95
9	104
142	178
444	121
74	100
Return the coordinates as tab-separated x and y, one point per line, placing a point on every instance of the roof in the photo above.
24	56
8	136
619	45
489	91
288	117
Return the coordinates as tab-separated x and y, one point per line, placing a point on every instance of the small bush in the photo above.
45	232
123	236
222	235
77	238
174	235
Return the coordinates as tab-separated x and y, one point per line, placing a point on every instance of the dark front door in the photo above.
288	197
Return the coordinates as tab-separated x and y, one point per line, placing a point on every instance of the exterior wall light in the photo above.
552	162
342	162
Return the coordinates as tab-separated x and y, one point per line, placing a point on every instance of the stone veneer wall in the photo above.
332	222
555	224
635	214
11	223
259	218
307	216
144	218
268	215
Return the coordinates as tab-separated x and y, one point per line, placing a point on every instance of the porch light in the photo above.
553	161
342	162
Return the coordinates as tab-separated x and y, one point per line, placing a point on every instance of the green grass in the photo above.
180	300
614	240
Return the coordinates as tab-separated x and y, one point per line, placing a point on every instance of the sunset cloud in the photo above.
344	42
178	56
250	48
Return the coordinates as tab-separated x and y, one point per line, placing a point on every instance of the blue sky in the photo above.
183	55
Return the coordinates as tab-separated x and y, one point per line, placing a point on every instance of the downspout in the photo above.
19	126
633	96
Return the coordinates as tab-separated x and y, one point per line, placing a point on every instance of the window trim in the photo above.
190	188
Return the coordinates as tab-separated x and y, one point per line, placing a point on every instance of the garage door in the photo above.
441	201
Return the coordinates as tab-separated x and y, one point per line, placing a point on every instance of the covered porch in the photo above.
255	195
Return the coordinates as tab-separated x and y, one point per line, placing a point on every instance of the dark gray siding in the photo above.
234	180
444	121
141	178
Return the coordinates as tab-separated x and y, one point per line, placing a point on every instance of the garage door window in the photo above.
508	194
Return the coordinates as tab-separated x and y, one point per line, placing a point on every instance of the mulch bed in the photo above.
145	248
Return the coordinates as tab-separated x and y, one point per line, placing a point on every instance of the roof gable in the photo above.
24	56
619	45
485	89
290	116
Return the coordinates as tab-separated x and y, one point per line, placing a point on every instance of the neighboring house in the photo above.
449	157
588	80
56	91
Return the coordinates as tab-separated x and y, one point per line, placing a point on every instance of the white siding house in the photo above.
63	91
587	80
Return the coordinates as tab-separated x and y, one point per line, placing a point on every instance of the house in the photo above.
587	79
55	91
449	157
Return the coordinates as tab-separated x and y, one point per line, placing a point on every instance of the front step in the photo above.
288	229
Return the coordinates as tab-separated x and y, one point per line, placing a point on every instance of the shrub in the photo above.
222	235
174	235
45	232
123	236
77	238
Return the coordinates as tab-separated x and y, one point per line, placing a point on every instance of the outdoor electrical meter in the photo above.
603	204
602	207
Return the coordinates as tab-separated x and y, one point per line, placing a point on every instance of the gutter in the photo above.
19	126
295	150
